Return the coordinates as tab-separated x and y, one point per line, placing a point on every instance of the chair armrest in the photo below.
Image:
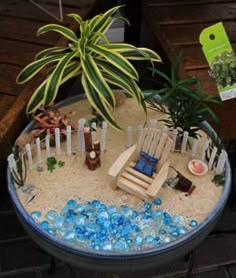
158	180
122	161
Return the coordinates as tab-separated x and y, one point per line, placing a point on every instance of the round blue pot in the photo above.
118	262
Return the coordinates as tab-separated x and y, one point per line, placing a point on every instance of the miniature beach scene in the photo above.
87	207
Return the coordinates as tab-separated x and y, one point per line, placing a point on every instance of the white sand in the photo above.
75	181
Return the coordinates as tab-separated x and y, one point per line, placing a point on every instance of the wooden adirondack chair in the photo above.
155	143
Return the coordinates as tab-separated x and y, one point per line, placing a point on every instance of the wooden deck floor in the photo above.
175	25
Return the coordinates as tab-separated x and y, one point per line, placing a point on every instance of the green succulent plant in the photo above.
100	63
182	100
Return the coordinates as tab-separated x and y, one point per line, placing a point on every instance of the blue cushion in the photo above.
146	164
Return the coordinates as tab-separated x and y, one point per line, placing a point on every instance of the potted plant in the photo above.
182	99
100	64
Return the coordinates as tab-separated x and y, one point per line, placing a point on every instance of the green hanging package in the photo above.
221	59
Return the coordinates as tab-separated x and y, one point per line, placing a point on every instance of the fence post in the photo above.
205	147
39	156
47	143
103	136
68	140
29	156
212	157
58	140
221	162
195	146
94	131
81	144
174	137
184	142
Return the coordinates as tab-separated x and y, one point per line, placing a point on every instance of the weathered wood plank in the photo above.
226	222
18	53
26	32
216	273
232	270
216	251
190	33
8	79
168	3
193	13
25	9
5	103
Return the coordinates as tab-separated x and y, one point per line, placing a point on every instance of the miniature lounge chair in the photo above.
142	169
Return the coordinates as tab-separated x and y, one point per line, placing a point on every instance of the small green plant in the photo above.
219	179
182	100
100	63
52	162
19	175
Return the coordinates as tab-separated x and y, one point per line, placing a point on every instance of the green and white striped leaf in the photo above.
98	82
51	50
100	22
76	17
37	99
119	76
54	81
117	60
98	103
33	68
64	31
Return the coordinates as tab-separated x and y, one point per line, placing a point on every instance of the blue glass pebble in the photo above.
79	208
36	215
96	203
157	214
149	239
139	240
58	223
162	232
111	209
175	233
70	236
71	203
157	201
80	220
121	245
182	230
193	223
51	215
147	206
44	225
51	231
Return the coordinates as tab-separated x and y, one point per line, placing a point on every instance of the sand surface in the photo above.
75	181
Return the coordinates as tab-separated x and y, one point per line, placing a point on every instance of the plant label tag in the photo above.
221	59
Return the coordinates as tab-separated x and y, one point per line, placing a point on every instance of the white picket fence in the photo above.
132	135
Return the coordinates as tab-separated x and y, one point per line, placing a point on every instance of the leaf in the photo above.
37	98
116	59
98	82
76	17
161	74
50	50
99	105
64	31
119	76
55	78
33	68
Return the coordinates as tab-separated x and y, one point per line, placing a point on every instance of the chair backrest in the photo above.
156	143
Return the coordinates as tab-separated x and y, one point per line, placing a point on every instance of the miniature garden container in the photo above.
117	261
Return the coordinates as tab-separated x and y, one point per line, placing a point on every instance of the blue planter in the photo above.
128	261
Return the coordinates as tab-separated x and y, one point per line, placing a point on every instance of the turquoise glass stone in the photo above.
51	215
44	225
58	223
157	201
193	223
36	215
71	203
